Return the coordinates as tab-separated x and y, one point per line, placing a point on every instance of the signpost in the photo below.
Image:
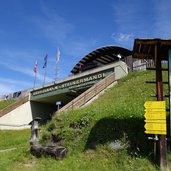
155	128
58	103
155	105
155	115
169	76
158	50
155	120
159	88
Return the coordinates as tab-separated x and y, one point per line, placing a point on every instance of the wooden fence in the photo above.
143	64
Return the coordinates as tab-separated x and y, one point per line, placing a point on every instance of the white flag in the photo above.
57	56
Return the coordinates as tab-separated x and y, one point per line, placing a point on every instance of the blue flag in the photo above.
45	60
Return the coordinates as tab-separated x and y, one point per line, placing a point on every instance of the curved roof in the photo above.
100	57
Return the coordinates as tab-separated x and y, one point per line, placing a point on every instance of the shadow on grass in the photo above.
129	130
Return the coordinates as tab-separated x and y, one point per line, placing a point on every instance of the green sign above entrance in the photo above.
78	83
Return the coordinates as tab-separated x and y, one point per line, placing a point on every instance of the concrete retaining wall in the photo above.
18	118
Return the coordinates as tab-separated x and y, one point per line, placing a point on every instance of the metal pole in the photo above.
159	88
56	72
45	75
35	71
35	79
155	148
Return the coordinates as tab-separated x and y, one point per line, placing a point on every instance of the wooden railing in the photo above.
145	64
90	93
13	106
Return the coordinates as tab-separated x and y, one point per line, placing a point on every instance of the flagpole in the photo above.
56	72
35	79
45	75
35	71
57	60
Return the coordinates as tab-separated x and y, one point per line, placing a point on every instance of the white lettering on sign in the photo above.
71	84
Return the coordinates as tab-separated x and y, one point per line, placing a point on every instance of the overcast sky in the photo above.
30	29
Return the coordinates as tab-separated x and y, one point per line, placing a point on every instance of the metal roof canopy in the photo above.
103	56
145	48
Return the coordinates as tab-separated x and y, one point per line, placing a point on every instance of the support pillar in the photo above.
159	88
169	79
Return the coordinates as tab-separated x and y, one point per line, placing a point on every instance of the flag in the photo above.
35	66
57	56
45	61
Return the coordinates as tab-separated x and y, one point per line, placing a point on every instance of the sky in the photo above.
30	29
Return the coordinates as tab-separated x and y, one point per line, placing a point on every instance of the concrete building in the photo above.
102	67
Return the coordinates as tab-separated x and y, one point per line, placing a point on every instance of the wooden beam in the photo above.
166	42
147	41
142	55
152	41
154	82
163	69
159	87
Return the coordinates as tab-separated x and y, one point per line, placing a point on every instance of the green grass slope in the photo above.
90	133
4	104
118	115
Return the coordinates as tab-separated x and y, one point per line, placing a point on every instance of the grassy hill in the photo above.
116	119
4	104
118	112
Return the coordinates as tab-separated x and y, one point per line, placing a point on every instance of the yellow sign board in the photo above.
155	104
155	110
155	132
155	126
155	121
155	115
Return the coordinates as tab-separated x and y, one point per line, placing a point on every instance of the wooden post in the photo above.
169	79
34	131
38	150
159	88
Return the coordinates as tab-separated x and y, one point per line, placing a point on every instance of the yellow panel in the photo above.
155	126
155	121
155	132
155	115
155	104
155	110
